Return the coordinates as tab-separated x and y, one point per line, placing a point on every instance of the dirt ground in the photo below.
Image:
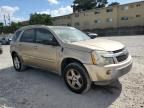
36	88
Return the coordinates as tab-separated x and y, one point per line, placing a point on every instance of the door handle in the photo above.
35	47
20	44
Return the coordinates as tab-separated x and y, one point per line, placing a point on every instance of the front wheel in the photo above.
76	78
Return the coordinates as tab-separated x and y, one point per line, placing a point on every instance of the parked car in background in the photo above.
9	38
92	35
1	48
6	39
70	53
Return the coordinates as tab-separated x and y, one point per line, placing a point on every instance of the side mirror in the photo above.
93	37
54	43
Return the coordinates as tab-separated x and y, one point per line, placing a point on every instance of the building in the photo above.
65	20
118	16
24	23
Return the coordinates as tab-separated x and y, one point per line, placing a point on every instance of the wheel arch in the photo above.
13	53
69	60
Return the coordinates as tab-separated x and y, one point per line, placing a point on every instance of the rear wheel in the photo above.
17	62
76	78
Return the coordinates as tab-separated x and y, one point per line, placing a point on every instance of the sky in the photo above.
20	10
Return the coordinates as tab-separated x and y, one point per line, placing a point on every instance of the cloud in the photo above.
9	11
58	12
17	19
130	1
53	1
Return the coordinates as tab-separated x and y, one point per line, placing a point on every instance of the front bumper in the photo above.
109	73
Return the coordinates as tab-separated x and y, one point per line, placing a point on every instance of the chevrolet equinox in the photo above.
70	53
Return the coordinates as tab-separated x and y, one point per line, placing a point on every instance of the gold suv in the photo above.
71	54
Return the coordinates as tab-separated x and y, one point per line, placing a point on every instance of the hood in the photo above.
100	44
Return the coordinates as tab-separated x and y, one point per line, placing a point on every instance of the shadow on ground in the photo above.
35	88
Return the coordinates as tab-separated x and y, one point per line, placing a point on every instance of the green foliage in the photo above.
40	19
15	26
10	29
1	27
1	24
83	5
34	19
114	3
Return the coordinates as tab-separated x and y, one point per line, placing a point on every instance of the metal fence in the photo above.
137	30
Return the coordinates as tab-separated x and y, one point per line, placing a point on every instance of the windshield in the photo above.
70	34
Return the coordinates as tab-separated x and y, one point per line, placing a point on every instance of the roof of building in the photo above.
142	1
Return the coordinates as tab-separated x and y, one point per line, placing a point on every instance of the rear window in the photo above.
28	36
15	37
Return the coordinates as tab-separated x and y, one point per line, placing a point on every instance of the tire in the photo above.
76	78
17	63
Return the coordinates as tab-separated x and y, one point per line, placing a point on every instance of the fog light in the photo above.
108	72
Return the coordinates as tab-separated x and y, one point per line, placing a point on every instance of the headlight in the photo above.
98	58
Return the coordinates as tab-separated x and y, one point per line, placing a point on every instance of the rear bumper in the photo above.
108	73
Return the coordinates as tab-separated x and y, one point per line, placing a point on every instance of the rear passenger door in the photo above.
26	46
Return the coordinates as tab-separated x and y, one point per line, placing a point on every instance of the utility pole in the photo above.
9	19
4	20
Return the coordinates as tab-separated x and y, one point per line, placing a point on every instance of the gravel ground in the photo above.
36	88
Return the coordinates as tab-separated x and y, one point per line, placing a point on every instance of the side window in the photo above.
28	36
43	36
17	34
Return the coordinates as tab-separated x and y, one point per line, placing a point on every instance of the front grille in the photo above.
117	51
122	57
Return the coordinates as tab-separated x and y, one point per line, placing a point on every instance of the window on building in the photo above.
86	23
97	21
124	18
125	8
138	16
86	14
68	17
64	24
138	5
131	6
68	24
97	12
109	10
76	15
109	20
77	24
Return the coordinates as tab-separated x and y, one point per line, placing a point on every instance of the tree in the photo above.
101	3
82	5
114	3
14	26
40	19
1	24
1	27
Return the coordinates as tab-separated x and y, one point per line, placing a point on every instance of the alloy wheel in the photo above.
74	79
16	63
